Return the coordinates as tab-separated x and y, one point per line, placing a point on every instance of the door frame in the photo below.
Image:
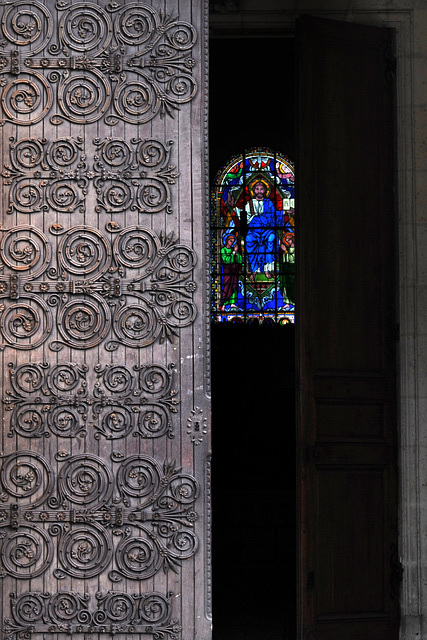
409	467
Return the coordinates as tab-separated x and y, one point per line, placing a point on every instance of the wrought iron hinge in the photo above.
14	287
14	516
15	68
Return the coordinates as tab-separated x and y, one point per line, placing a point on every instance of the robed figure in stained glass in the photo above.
253	244
287	268
231	261
262	240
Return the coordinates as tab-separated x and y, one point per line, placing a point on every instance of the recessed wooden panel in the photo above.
350	573
353	147
351	420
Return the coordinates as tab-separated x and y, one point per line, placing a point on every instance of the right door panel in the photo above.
348	585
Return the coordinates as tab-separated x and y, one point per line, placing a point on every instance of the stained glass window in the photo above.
253	239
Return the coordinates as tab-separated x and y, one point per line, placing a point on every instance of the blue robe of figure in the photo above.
262	241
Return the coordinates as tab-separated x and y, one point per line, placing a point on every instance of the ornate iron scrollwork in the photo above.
124	62
135	290
58	176
46	176
58	400
113	612
147	507
133	176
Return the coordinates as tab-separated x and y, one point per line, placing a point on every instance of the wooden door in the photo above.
104	457
348	569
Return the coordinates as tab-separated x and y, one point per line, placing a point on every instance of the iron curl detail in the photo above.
133	290
121	62
103	613
108	401
134	515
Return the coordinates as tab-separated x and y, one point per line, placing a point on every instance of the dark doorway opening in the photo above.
252	88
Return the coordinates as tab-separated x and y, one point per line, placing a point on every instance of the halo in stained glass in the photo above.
253	239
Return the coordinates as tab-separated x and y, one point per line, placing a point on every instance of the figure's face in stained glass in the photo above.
253	239
259	191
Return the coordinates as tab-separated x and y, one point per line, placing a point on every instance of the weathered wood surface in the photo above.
105	443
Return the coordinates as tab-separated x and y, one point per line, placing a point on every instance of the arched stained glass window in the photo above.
253	239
